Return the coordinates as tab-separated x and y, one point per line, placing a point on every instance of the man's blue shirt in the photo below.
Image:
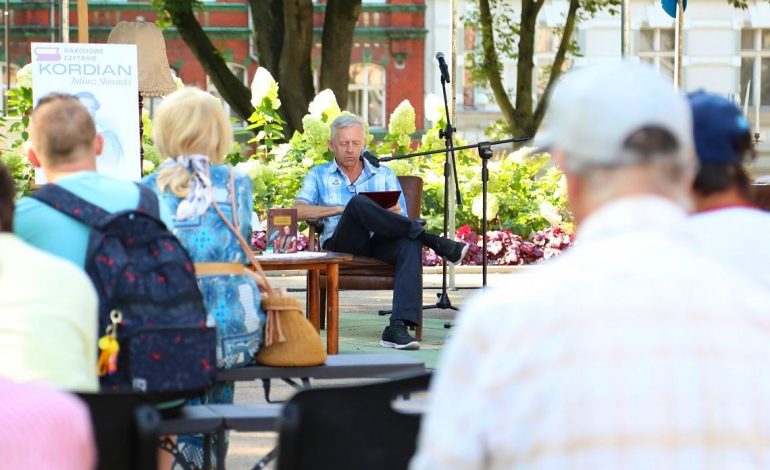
327	185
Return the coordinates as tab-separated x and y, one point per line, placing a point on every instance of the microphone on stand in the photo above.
371	158
443	66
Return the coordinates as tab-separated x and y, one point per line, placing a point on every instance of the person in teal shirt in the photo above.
65	144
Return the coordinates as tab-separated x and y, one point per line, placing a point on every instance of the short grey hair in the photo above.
344	121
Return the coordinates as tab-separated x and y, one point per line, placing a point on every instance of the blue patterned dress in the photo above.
232	300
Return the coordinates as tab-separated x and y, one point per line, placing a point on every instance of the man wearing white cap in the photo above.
631	350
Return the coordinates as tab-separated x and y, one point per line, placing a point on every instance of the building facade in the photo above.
725	51
386	62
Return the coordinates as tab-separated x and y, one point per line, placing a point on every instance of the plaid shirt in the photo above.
327	185
630	351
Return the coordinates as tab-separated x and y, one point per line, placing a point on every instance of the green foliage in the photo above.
525	193
12	154
22	172
151	155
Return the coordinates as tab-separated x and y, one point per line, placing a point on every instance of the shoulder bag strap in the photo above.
261	278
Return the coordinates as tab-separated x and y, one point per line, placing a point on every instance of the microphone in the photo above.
371	158
443	66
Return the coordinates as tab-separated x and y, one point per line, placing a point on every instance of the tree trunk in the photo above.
267	17
339	24
294	72
493	69
526	65
232	90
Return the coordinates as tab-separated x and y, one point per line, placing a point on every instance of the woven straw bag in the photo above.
290	339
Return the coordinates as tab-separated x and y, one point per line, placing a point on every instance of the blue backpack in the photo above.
148	297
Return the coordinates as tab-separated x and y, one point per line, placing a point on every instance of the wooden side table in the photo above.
314	262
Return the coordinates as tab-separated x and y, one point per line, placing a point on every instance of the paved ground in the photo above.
360	330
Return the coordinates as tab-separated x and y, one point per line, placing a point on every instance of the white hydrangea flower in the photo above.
520	154
402	121
179	83
492	206
324	102
24	77
549	212
434	108
264	86
250	167
147	166
280	151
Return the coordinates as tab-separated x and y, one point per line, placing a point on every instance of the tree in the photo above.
523	116
284	33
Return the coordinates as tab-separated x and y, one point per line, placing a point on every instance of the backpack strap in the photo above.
72	205
148	201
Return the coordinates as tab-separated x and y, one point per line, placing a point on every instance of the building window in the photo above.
755	62
243	75
366	93
656	47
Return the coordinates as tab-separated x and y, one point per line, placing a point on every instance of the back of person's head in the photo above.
6	200
190	122
614	124
723	144
61	131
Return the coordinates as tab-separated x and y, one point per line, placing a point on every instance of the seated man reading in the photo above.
358	225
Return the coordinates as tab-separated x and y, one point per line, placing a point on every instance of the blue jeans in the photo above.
366	229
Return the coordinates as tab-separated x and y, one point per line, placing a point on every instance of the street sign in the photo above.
669	6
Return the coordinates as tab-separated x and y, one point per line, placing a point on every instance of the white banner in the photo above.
104	77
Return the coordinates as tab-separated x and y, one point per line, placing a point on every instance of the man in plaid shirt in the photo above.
356	224
632	350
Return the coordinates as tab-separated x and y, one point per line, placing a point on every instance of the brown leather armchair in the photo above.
365	273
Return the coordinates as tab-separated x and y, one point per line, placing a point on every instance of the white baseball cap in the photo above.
593	110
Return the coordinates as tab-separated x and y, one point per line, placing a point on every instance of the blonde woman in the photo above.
193	134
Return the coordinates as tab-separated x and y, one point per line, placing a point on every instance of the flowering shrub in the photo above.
13	155
505	248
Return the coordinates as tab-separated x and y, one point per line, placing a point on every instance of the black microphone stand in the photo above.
485	152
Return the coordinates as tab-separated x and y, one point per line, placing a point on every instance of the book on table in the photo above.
281	231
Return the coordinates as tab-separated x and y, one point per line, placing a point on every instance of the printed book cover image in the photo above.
282	230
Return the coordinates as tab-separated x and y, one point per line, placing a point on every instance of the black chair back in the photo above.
125	428
350	427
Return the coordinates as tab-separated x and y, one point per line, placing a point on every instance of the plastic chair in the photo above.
125	428
350	427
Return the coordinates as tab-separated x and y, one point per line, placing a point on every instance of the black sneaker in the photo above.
397	336
452	251
457	252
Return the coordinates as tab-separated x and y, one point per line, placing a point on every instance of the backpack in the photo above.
140	269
